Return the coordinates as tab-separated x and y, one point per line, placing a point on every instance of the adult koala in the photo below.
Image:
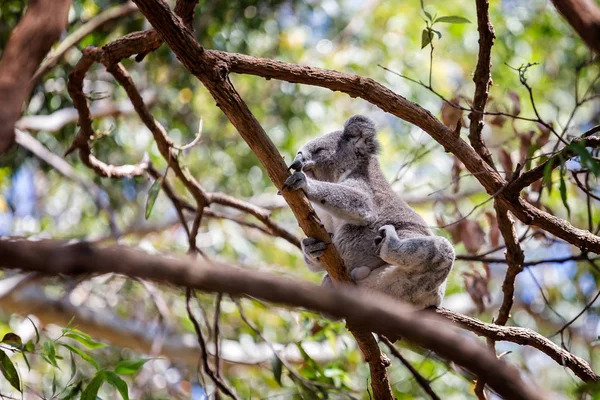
385	244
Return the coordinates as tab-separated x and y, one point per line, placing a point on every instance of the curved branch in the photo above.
525	337
365	309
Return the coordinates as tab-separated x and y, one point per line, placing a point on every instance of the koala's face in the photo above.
327	157
323	157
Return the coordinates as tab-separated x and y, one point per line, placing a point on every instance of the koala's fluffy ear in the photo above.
361	131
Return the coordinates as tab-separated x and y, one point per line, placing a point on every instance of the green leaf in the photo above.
587	160
13	340
277	367
548	176
437	33
84	339
91	390
129	367
426	37
81	354
152	195
68	327
428	15
73	367
26	361
9	371
309	361
563	191
453	19
74	391
53	385
37	333
50	352
118	383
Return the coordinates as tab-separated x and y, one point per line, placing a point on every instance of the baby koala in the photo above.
385	244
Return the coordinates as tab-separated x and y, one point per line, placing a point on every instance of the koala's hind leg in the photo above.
418	269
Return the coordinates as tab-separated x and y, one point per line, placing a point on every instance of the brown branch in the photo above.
424	383
219	383
385	99
525	337
514	259
584	17
356	86
491	260
97	22
365	309
213	74
482	79
40	27
86	131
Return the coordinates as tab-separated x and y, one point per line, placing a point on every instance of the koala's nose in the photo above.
297	164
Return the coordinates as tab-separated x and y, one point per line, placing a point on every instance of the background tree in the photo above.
519	178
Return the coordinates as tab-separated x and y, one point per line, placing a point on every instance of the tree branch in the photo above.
366	309
525	337
40	27
211	71
584	17
482	79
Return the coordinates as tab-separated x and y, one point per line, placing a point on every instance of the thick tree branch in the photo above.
384	98
212	72
365	309
584	17
29	42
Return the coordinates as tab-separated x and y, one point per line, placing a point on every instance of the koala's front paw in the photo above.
313	248
384	235
327	282
384	232
360	273
295	181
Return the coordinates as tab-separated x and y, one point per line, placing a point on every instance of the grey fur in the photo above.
385	244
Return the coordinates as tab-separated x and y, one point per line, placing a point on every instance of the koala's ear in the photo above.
361	131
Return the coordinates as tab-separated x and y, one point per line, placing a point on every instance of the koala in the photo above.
385	244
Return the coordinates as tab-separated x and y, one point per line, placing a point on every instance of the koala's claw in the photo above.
295	181
383	233
313	247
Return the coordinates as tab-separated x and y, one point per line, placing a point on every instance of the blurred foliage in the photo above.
350	36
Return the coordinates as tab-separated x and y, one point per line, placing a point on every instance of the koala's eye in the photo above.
319	150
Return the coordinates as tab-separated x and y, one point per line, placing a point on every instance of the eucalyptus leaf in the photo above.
453	19
9	371
152	195
84	339
426	37
563	192
91	390
118	383
277	367
12	339
81	354
50	352
129	367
